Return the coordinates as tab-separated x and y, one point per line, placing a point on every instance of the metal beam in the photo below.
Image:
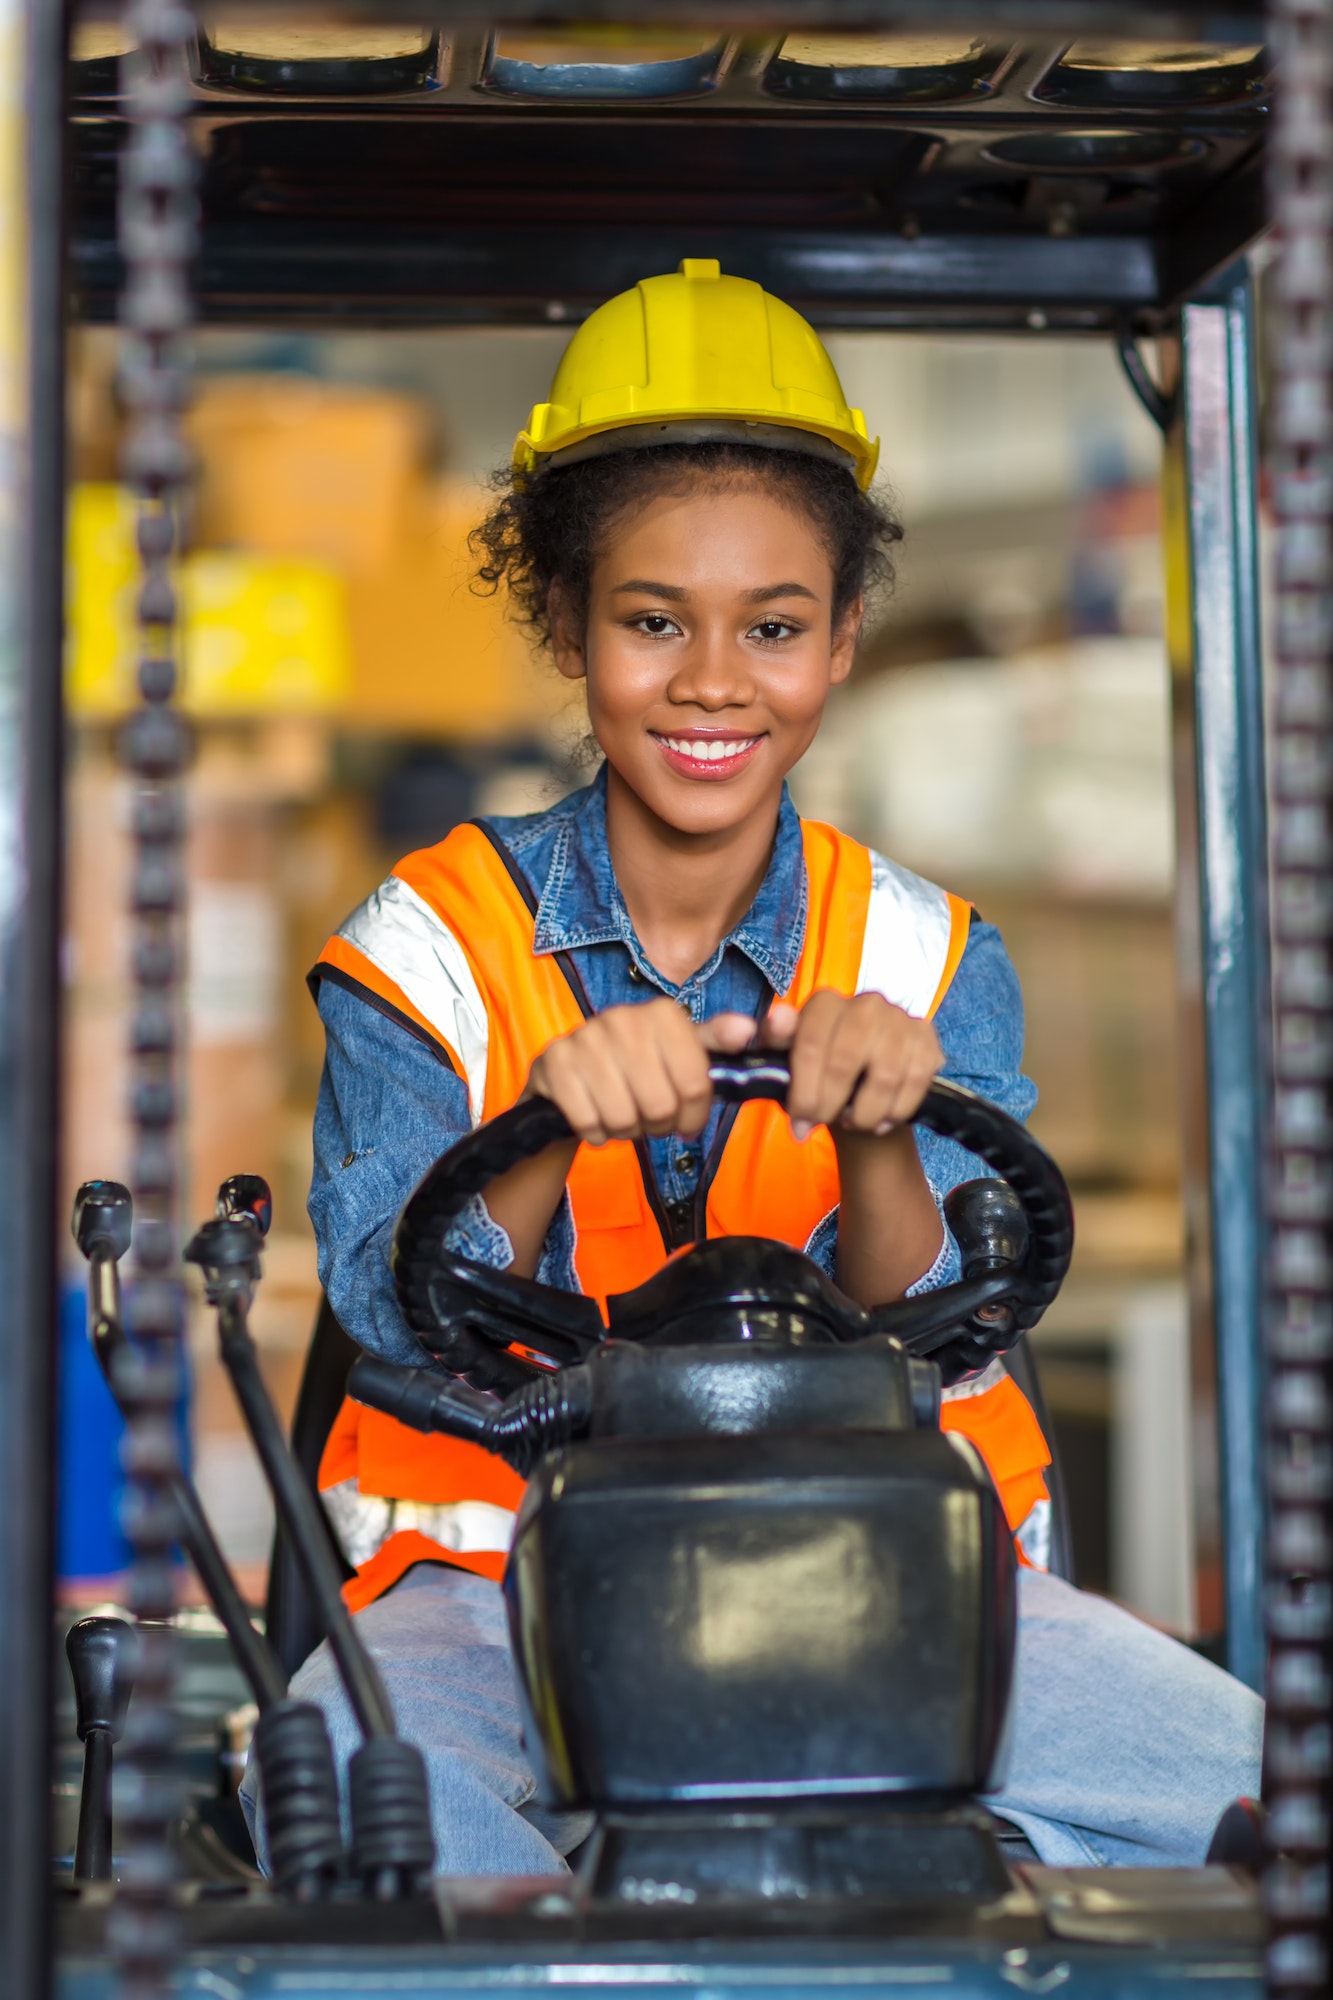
1216	659
32	68
1217	20
272	269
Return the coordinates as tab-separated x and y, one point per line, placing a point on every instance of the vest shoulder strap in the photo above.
872	926
446	944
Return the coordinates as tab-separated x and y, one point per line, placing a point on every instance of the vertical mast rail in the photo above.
1299	1552
1217	680
157	228
32	301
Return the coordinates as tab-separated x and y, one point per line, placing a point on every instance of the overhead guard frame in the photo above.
900	284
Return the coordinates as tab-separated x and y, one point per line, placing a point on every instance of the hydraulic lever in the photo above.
103	1213
291	1744
392	1845
100	1655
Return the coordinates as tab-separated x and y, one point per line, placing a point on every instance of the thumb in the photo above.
727	1034
779	1025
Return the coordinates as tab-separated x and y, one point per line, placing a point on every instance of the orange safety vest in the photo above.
446	948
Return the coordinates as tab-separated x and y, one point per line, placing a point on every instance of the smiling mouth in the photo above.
707	756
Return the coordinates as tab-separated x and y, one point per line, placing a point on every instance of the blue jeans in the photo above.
1126	1747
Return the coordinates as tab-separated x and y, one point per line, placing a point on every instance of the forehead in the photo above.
715	531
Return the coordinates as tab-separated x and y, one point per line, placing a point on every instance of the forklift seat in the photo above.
293	1625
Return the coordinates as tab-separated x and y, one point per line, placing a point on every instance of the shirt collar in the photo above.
581	903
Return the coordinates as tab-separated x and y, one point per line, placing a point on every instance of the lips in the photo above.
707	757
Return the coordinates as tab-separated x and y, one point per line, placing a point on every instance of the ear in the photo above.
568	638
846	633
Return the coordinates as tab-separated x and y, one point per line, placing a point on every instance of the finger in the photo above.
685	1050
778	1028
727	1034
592	1054
648	1074
900	1073
889	1059
617	1110
808	1051
855	1038
912	1091
562	1081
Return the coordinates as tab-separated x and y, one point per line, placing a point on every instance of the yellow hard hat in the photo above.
692	358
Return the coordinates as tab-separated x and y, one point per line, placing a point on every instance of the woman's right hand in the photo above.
636	1070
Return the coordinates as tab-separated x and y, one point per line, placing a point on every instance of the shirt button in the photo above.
684	1163
350	1158
635	973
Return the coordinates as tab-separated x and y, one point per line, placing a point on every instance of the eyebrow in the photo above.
673	591
675	594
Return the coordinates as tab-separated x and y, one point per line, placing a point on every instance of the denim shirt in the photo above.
388	1106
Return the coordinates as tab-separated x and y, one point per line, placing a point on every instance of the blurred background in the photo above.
1006	732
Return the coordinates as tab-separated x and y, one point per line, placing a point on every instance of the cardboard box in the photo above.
294	467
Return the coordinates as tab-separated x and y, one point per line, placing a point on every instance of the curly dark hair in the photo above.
553	525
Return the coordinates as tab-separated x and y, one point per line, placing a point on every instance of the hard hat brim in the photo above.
529	460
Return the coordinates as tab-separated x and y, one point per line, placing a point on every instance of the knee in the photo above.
317	1680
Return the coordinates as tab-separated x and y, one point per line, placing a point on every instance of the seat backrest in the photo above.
294	1627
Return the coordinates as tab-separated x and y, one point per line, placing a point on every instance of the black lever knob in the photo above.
988	1225
100	1652
103	1217
225	1244
247	1198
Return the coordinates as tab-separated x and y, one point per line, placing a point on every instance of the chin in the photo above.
719	809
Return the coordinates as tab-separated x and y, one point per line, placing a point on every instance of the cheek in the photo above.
623	678
798	687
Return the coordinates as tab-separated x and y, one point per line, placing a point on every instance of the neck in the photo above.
684	891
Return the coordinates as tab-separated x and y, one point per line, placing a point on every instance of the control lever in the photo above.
103	1214
100	1652
989	1227
533	1420
291	1744
988	1223
392	1844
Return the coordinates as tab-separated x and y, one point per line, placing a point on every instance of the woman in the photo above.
688	529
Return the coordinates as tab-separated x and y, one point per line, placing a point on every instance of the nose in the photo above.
712	672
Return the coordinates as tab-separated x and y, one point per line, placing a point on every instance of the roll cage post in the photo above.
1214	643
33	43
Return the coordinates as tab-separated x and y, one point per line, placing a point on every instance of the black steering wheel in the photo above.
498	1330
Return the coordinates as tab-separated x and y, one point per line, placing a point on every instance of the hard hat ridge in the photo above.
690	358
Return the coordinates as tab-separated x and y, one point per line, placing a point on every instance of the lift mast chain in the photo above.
1300	1318
157	225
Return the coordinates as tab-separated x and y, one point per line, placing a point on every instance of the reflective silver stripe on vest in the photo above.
364	1522
1034	1535
906	947
977	1385
399	932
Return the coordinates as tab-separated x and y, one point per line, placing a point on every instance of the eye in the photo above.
772	631
655	624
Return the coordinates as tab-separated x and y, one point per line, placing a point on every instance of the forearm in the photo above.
889	1228
524	1201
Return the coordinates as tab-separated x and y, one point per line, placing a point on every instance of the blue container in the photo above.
89	1542
89	1427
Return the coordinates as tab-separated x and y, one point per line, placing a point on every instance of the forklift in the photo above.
1051	168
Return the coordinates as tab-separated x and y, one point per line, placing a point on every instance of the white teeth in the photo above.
709	751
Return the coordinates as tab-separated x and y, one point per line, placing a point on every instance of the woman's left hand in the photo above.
858	1064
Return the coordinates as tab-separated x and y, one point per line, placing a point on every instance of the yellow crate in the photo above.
261	635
